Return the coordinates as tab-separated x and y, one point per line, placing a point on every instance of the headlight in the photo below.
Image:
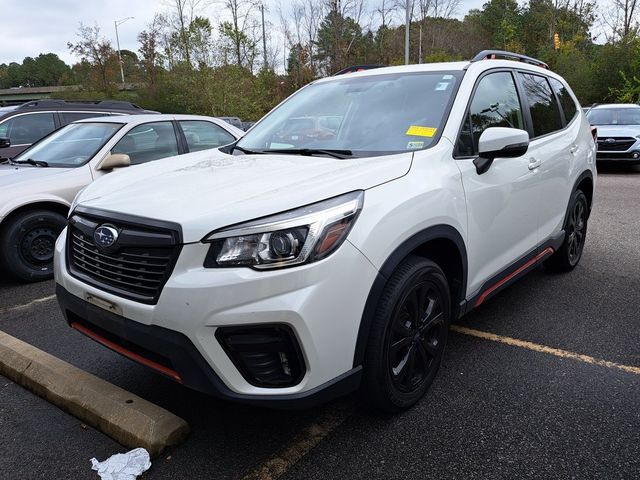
298	236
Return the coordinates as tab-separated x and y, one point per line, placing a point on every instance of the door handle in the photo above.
574	149
533	163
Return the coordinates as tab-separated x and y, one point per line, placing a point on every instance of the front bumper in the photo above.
322	303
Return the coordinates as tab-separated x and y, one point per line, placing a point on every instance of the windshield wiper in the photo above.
335	153
31	161
244	150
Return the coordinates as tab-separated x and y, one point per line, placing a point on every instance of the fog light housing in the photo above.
635	155
266	356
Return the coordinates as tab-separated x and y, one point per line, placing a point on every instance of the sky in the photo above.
32	27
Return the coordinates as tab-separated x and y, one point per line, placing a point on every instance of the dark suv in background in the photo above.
31	121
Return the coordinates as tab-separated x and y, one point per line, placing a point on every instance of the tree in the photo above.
336	38
98	53
241	33
151	58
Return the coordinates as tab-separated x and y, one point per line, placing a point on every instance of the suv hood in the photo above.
208	190
618	130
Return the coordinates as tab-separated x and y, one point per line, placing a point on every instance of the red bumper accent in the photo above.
127	353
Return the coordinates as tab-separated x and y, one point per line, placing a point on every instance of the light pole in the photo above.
408	7
116	23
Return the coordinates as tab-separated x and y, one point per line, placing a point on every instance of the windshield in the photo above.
72	145
359	116
614	116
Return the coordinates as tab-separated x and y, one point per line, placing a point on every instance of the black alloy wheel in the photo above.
577	232
416	336
408	336
575	229
27	243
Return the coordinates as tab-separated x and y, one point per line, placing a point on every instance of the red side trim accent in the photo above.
127	353
494	287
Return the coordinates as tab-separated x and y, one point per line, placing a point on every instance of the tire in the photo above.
408	336
569	254
27	243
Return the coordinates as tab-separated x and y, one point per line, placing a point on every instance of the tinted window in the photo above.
566	101
545	113
147	142
495	103
204	135
27	129
364	115
68	117
72	145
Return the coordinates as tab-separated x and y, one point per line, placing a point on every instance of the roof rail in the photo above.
48	103
358	68
495	54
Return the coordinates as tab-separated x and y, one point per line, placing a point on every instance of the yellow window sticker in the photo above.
419	131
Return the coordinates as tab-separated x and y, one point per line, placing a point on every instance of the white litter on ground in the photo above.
123	466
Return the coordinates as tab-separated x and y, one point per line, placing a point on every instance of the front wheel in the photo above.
27	244
408	336
570	253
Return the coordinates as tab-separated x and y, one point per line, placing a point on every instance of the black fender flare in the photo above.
586	174
391	263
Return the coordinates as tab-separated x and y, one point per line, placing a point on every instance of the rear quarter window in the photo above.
567	103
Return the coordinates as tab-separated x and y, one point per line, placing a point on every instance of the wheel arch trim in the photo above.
436	232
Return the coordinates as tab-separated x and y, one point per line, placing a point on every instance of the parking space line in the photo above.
303	443
544	349
26	305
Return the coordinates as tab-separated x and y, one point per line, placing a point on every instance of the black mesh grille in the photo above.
619	144
138	265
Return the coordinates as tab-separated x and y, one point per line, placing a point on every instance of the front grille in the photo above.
619	144
136	267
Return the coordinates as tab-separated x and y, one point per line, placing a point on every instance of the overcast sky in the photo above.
47	25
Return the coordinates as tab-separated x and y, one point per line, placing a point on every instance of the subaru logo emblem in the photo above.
610	140
105	236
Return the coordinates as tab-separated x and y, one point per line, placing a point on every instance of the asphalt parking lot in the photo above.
498	408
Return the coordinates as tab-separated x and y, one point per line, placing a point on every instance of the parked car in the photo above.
37	187
288	271
618	131
25	124
235	121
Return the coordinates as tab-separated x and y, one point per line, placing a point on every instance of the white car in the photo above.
37	186
302	265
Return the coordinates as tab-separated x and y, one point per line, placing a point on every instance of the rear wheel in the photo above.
408	336
27	244
569	254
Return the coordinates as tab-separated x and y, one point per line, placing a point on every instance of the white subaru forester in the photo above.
329	249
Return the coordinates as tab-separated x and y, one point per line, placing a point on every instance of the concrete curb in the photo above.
128	419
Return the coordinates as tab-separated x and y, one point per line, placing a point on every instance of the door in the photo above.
556	168
203	135
147	142
502	203
25	129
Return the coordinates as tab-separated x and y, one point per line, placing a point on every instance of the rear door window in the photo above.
27	129
545	113
148	142
566	100
201	135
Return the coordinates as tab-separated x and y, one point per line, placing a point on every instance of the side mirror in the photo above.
115	160
5	142
500	142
